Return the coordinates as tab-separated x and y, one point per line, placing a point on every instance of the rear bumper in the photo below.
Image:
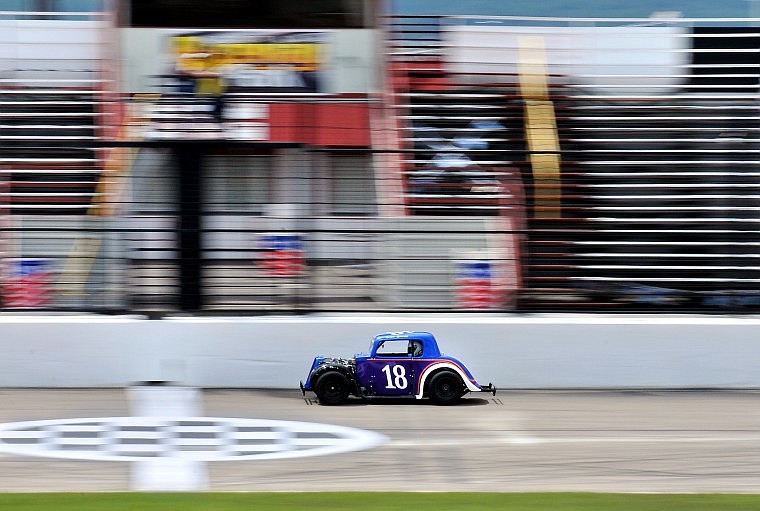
488	388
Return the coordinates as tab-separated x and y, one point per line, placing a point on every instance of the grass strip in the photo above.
372	501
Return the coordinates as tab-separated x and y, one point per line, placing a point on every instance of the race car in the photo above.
400	364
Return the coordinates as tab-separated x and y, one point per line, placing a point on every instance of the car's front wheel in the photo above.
332	388
446	388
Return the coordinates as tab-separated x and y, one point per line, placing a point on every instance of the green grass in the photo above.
375	502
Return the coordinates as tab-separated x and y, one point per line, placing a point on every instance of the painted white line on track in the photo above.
651	439
529	440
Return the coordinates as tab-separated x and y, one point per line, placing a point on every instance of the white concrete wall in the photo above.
578	351
33	52
615	59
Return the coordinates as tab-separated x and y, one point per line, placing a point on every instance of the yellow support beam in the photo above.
120	159
540	128
531	67
76	270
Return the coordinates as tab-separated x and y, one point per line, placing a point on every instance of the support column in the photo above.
188	159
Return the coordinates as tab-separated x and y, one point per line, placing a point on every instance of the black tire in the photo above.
445	388
332	388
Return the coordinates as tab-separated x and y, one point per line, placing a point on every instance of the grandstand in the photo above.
371	162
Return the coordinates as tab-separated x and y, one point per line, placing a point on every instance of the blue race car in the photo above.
397	365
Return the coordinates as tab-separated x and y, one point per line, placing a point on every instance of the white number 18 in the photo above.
398	377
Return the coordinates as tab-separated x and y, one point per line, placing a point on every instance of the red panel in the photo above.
342	124
283	122
321	124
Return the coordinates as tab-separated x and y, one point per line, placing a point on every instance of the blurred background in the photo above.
180	156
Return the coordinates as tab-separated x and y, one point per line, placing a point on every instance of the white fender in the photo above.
447	364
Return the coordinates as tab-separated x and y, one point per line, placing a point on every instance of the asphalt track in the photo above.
626	441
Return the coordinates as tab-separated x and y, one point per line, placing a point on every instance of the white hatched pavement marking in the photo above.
169	442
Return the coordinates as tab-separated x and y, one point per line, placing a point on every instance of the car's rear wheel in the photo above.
446	388
332	388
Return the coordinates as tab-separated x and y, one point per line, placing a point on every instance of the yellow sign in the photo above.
252	59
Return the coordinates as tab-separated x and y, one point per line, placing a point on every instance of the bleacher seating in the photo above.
658	200
56	103
658	190
47	147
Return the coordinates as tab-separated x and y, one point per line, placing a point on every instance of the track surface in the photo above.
631	441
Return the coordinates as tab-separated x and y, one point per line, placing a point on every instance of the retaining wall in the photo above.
520	352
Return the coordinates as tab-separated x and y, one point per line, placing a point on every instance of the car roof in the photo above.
422	336
430	346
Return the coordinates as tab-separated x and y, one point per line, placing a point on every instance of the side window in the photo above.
393	348
415	348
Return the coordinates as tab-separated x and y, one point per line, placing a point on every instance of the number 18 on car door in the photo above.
391	372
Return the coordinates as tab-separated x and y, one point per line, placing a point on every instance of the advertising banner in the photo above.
475	287
250	60
29	285
283	255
